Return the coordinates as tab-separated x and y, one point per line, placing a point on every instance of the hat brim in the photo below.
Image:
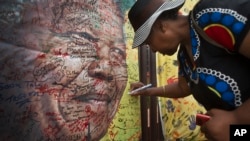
143	31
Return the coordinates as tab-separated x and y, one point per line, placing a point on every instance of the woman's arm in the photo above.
174	90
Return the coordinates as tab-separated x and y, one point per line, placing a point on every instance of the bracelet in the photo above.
164	90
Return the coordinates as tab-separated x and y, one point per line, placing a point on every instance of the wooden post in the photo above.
150	115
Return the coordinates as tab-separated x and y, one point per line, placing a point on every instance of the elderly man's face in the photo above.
62	69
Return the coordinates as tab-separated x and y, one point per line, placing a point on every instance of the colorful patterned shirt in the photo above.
220	78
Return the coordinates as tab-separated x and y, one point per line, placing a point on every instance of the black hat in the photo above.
143	14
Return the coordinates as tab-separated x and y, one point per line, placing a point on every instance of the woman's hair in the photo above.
170	14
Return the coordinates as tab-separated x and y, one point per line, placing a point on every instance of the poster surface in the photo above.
63	68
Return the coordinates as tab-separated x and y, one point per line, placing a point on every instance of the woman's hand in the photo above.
137	85
172	90
218	126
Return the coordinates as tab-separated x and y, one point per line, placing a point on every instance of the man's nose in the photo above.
101	69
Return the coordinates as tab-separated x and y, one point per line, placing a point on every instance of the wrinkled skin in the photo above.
62	69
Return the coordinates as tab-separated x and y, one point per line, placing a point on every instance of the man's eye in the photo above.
118	52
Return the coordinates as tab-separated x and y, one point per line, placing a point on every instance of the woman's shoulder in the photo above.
224	21
241	6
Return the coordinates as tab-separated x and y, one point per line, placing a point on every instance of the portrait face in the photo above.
62	69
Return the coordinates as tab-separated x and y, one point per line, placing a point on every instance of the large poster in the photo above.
63	70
